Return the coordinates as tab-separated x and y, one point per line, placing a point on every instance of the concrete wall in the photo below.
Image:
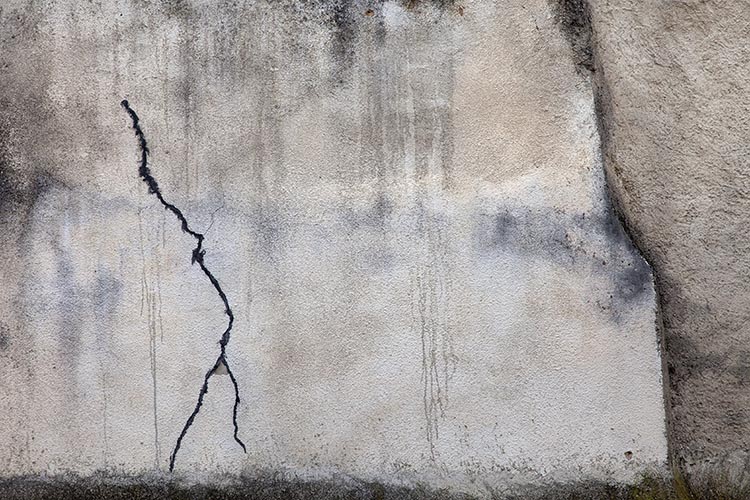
674	90
404	203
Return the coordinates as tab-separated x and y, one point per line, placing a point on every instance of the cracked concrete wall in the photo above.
404	203
675	100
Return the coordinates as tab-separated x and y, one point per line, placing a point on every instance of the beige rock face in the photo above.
675	99
404	204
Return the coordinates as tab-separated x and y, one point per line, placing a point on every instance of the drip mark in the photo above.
198	254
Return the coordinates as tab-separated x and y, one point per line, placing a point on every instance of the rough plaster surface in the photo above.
674	89
404	203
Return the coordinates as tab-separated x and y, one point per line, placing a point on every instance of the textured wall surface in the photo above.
675	97
403	202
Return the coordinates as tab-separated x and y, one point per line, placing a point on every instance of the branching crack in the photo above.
198	256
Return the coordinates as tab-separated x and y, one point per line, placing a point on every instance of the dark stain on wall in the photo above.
271	232
416	4
346	18
4	337
636	276
276	487
29	126
10	194
694	360
741	369
634	279
344	15
369	226
574	17
19	189
595	243
70	309
269	487
376	216
106	294
176	8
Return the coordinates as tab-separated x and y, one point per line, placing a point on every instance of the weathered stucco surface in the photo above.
404	203
674	84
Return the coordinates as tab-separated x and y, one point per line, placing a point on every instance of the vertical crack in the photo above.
198	256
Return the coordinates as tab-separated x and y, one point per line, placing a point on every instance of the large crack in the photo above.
198	256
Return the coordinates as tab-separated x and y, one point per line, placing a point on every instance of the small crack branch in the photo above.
198	256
